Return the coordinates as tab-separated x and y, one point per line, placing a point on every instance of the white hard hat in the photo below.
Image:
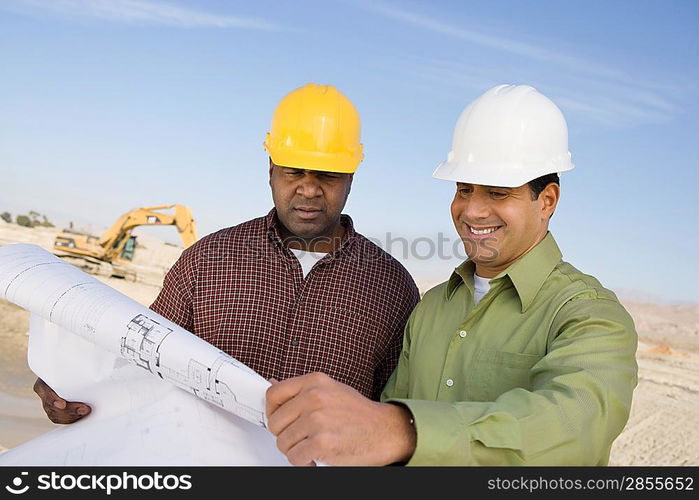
507	137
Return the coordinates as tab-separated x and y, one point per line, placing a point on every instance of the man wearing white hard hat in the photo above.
517	359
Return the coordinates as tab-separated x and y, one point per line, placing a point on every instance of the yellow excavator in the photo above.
108	254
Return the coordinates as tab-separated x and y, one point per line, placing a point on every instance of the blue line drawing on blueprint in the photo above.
142	344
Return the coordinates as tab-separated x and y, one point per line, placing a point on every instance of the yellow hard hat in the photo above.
315	127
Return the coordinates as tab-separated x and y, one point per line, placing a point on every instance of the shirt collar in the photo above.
527	274
272	224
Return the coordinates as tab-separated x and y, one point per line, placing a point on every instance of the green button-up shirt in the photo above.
540	372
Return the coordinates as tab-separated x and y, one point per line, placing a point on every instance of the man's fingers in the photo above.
281	392
43	390
58	416
48	396
302	454
78	410
293	433
72	413
285	415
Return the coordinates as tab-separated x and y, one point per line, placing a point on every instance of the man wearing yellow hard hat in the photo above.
518	358
298	290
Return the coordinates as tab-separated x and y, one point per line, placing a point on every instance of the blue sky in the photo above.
111	105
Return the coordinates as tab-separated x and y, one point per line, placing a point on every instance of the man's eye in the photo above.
498	194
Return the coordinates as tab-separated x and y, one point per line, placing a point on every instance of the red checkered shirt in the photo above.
243	291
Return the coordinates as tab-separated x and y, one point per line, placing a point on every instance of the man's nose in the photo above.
477	207
309	186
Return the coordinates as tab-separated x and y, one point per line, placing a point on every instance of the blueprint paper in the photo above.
90	343
136	419
43	284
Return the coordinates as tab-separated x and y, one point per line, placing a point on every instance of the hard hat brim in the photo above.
341	163
501	175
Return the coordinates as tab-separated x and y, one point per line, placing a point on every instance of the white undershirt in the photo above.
481	287
307	259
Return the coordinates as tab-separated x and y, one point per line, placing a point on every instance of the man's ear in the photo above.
271	167
350	178
549	200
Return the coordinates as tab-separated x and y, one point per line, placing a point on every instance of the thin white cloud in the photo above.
601	92
143	12
606	103
495	42
608	111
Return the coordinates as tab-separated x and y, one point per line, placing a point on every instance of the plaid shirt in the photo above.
243	291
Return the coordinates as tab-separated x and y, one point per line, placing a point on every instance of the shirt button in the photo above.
294	342
450	382
462	333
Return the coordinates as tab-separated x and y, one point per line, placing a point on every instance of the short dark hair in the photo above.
537	185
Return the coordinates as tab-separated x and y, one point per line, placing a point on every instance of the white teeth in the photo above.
483	231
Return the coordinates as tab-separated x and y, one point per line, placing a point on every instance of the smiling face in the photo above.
308	205
498	225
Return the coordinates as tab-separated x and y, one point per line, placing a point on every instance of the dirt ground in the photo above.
662	429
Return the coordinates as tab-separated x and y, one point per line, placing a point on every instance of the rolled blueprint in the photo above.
63	295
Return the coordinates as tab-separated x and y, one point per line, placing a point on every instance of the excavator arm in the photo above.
116	244
117	236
